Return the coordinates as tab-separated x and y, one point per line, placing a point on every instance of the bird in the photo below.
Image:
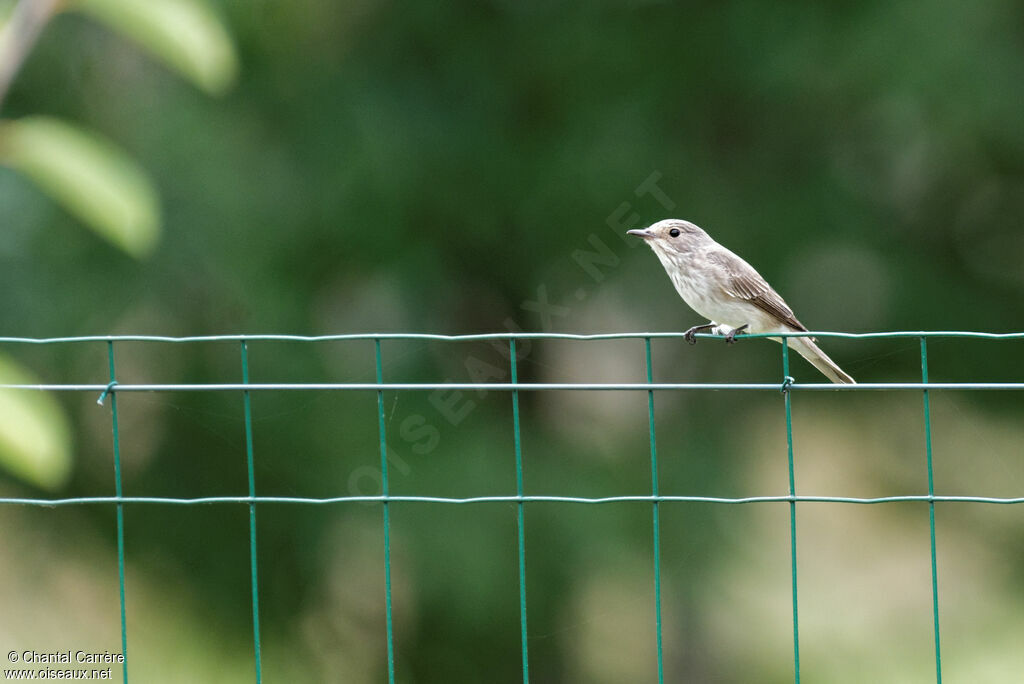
722	287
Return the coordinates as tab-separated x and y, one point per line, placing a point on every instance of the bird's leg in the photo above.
689	334
730	337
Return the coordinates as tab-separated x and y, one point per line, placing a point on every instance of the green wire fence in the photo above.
786	386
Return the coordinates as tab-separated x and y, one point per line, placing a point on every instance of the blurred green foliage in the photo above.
438	167
185	34
34	442
87	176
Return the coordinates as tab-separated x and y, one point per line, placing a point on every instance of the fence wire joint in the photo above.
103	396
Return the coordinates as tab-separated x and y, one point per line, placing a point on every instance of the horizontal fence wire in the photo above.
529	498
786	386
475	337
513	387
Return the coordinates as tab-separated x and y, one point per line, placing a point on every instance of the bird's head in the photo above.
671	236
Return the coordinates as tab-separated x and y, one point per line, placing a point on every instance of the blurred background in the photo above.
194	167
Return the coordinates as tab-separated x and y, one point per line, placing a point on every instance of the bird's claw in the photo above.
730	337
689	335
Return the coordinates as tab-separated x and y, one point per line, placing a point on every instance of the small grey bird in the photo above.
724	288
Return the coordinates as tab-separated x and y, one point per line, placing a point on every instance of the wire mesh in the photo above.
786	386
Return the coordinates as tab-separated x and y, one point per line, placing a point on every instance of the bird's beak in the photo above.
645	234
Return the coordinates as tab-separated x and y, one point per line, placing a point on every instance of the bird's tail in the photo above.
810	351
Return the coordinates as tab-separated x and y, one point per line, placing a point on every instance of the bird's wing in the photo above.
743	282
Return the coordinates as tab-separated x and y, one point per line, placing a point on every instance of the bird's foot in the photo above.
689	334
730	337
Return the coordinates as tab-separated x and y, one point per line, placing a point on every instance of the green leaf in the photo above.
185	34
34	436
87	175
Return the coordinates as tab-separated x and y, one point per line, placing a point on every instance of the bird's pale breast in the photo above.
697	291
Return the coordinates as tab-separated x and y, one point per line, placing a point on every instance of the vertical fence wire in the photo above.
120	506
931	509
657	526
385	491
251	471
520	526
792	505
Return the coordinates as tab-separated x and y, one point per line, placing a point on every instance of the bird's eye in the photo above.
674	232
